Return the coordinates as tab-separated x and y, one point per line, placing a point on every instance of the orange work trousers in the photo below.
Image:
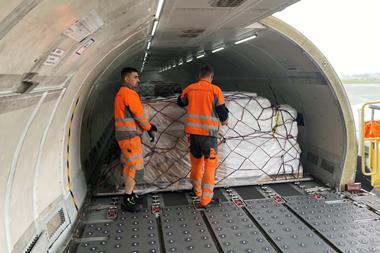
132	152
204	160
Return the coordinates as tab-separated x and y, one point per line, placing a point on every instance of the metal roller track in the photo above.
185	231
135	232
350	228
235	231
324	222
369	200
289	233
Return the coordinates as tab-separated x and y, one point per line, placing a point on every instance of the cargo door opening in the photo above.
272	67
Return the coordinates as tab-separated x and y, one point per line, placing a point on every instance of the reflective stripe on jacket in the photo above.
201	99
129	114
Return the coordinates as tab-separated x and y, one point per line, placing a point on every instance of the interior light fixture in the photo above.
154	27
200	56
189	59
217	49
246	39
180	63
159	8
149	43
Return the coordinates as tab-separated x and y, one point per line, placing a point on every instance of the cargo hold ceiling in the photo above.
188	27
67	33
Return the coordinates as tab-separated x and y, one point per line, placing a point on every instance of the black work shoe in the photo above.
198	206
137	199
128	205
215	201
192	193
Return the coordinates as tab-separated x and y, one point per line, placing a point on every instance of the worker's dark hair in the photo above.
205	71
126	71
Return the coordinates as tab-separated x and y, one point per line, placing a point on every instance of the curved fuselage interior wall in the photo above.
40	152
53	117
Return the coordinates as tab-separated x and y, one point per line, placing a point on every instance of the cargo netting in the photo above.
258	146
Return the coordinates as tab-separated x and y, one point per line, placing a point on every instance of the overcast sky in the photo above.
346	31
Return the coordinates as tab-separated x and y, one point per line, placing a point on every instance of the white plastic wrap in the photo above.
285	124
249	113
258	145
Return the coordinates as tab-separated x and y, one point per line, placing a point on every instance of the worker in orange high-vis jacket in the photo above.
205	112
130	123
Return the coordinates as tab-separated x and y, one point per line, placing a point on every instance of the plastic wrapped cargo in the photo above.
285	124
258	145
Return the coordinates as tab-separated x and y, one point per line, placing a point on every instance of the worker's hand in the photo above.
153	128
152	132
224	123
